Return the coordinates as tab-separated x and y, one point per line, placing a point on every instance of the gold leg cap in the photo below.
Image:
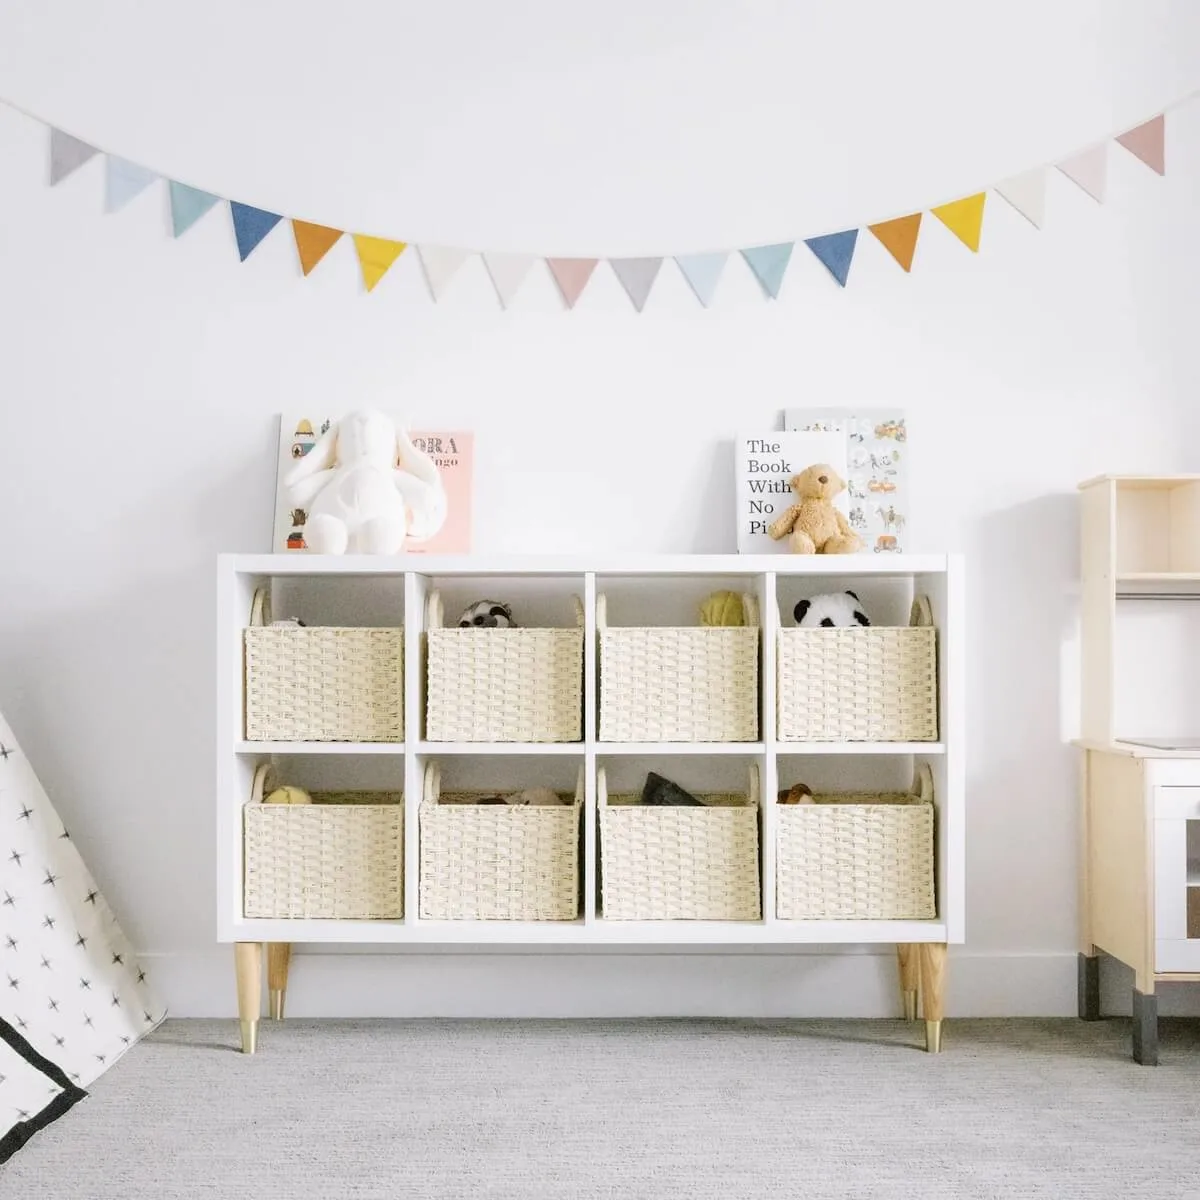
910	1005
933	1037
249	1036
276	1003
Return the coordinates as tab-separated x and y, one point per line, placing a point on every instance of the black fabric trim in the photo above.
70	1095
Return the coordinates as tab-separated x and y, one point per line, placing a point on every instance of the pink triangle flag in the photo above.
1089	170
571	275
1147	143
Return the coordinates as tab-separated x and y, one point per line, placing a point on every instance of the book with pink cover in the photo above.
451	450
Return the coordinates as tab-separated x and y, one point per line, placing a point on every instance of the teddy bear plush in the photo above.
813	525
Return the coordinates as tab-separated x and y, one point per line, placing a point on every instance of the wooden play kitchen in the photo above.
1140	847
399	726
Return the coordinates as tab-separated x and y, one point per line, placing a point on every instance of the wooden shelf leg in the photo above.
248	960
910	978
1145	1028
279	957
933	992
1089	987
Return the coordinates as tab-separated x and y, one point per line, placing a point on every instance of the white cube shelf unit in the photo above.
647	590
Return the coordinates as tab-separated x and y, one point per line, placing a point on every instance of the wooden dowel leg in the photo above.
279	957
933	991
247	957
910	978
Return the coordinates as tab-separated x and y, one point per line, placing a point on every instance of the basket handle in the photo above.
755	787
750	609
601	611
433	783
923	783
260	607
264	779
601	788
577	604
922	611
579	785
434	611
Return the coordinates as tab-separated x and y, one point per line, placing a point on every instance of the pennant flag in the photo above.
899	237
188	205
571	275
375	256
1027	194
964	218
250	226
637	277
1089	170
440	263
508	272
835	251
1147	142
122	181
67	154
769	263
702	271
313	242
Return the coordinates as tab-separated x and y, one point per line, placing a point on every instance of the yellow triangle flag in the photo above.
375	255
964	218
899	237
313	242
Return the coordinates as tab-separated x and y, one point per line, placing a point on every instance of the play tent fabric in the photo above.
73	997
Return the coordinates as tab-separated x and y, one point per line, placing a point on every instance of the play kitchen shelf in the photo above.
1140	844
605	635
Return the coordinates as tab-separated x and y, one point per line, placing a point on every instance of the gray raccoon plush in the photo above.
487	614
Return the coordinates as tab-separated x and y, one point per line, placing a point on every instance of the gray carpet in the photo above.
546	1110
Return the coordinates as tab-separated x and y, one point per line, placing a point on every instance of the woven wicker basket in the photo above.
322	684
875	683
341	856
679	684
857	856
503	685
680	864
497	862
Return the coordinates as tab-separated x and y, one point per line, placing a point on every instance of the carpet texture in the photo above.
557	1110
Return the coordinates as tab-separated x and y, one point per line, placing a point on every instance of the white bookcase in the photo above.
648	590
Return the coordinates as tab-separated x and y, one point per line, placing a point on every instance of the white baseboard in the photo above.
566	983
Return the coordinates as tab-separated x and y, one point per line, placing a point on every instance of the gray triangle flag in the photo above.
637	276
67	153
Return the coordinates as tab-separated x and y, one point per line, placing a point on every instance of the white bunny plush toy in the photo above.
365	488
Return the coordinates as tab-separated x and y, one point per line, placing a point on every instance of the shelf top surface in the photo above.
301	563
1140	481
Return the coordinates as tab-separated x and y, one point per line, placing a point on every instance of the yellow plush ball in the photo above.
288	795
723	608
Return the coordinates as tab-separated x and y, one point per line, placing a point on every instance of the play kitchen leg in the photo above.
248	959
279	957
910	978
933	982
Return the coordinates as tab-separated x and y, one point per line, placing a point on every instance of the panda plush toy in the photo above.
487	614
830	609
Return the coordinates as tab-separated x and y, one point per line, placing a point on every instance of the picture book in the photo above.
875	442
452	452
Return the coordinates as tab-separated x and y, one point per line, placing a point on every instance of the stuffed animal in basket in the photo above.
830	610
366	488
813	525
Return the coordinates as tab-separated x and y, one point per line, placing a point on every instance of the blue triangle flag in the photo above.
122	181
250	226
769	264
188	205
702	271
835	250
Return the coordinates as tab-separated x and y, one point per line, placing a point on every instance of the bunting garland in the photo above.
1025	193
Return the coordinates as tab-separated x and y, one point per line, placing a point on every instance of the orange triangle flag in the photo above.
899	237
375	255
313	242
964	218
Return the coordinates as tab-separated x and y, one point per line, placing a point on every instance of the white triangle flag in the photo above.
508	272
440	263
1089	170
637	277
1027	194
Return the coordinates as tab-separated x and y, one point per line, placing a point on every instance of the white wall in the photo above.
140	375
